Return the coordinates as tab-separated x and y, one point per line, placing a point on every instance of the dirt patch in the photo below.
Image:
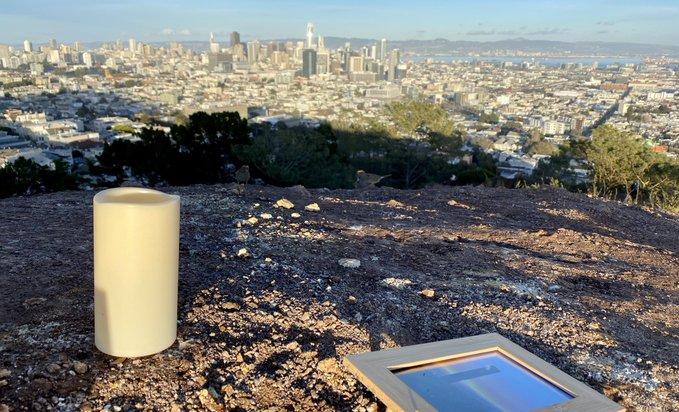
590	286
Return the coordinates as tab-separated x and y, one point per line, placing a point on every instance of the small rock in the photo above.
427	293
209	402
243	253
228	390
313	207
293	346
285	204
351	299
396	283
453	202
328	365
33	302
53	368
553	288
251	221
185	344
349	263
79	367
295	215
4	373
394	203
4	407
266	216
231	306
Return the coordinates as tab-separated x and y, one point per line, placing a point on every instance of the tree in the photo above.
197	152
123	128
621	163
298	155
26	177
541	147
490	118
83	111
483	142
414	117
511	126
618	159
145	118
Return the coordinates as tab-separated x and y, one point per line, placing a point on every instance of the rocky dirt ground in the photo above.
267	312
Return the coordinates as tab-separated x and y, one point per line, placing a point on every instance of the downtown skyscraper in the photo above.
309	62
234	38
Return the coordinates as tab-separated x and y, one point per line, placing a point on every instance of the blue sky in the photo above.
650	21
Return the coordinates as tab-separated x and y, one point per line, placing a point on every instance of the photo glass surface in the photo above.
489	382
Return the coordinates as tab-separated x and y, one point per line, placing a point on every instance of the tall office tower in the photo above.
309	62
88	60
310	35
133	46
270	48
4	51
365	52
253	52
355	64
235	38
148	50
214	46
52	44
323	62
321	43
278	57
381	50
28	46
394	61
54	57
373	51
376	67
77	46
238	52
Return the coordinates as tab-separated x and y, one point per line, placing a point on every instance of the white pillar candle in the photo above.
136	264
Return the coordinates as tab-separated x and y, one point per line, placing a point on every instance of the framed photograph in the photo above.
479	373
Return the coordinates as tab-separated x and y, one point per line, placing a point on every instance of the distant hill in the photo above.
464	47
444	46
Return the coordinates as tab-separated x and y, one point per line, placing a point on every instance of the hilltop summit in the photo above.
272	298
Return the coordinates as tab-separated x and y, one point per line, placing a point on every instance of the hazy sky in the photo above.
650	21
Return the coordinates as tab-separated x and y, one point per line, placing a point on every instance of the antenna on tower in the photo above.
310	35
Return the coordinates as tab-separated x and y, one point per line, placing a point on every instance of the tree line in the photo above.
419	145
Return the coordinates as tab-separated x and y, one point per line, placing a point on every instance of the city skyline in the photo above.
154	21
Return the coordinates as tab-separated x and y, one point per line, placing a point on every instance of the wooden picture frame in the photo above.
376	371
